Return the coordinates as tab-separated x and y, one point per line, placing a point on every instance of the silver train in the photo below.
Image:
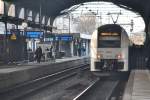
109	49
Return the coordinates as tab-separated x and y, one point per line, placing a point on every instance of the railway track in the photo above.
25	88
99	90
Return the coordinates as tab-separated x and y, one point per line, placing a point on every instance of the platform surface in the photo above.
12	68
138	86
12	75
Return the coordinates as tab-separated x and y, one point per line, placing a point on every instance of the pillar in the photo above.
72	48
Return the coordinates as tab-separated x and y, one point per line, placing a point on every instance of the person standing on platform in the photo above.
51	51
79	50
38	54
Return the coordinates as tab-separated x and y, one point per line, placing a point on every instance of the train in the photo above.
109	49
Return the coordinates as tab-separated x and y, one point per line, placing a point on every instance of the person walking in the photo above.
38	54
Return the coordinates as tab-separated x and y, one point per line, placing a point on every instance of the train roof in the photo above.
110	28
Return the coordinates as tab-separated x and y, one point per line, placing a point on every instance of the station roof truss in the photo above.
53	8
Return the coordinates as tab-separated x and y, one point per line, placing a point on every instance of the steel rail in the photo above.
34	85
100	89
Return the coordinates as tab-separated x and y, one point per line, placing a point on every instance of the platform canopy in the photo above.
53	8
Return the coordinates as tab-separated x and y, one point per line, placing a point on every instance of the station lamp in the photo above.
24	25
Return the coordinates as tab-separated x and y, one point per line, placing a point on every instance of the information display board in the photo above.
64	38
34	34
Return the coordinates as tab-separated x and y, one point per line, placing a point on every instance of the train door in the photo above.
137	57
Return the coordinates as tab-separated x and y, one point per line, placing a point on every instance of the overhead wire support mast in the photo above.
5	36
40	18
115	13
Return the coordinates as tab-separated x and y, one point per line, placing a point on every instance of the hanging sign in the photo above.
13	37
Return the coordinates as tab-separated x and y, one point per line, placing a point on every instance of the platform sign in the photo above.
34	34
64	38
57	38
49	37
14	34
13	37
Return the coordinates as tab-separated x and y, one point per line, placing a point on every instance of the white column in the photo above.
87	48
72	48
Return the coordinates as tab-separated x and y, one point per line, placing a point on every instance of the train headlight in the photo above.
99	56
119	56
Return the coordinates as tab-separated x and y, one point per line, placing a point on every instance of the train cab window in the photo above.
109	40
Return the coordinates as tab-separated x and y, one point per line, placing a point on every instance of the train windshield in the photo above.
109	40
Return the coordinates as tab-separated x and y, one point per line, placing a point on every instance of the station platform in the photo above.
54	61
23	64
11	75
138	86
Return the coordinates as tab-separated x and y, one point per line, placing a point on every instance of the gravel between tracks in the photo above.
65	90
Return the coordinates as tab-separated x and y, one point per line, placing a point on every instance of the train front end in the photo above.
109	49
